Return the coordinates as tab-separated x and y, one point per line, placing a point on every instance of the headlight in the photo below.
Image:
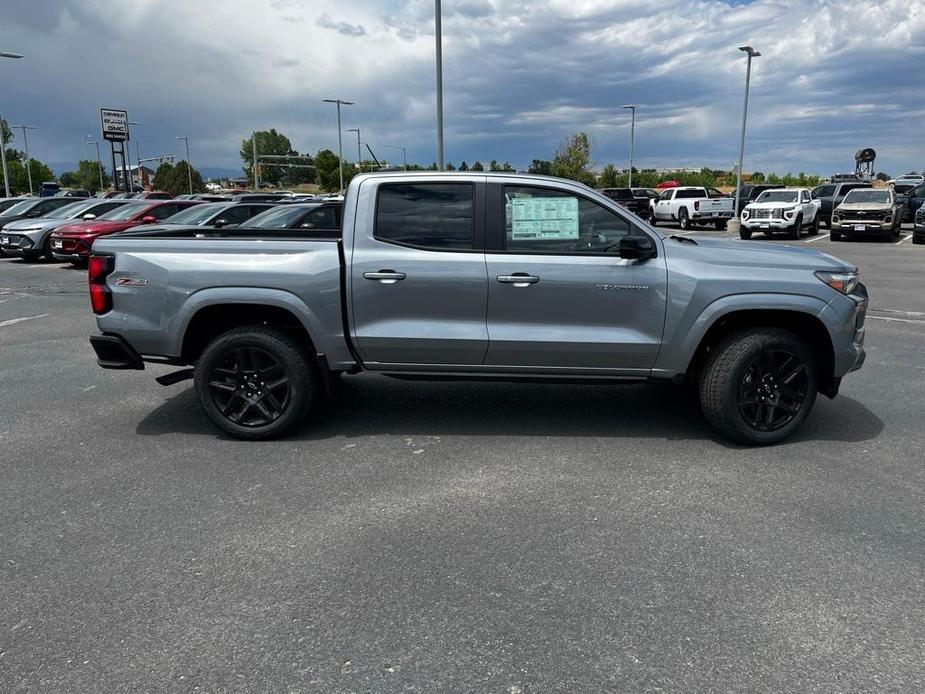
745	214
844	282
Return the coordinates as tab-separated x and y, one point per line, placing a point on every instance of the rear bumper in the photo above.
711	216
113	352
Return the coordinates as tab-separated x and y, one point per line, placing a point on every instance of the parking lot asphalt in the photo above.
460	537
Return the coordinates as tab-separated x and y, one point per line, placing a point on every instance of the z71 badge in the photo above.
131	282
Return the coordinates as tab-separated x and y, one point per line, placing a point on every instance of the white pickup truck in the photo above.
688	205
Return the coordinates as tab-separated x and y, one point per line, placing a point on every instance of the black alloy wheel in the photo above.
250	387
684	220
773	389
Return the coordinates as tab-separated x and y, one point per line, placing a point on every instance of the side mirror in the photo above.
636	248
89	216
148	219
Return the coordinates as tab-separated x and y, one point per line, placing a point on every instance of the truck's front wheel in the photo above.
255	382
759	385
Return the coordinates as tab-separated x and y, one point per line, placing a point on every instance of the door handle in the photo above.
385	276
518	279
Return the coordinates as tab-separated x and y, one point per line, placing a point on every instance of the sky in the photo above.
519	76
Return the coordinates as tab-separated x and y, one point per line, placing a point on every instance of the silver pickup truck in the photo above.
478	276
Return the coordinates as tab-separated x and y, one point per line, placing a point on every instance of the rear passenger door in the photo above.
418	284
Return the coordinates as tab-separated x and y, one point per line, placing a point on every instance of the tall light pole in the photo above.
6	173
99	159
189	167
632	108
25	140
340	136
137	165
404	155
256	164
438	37
752	53
359	151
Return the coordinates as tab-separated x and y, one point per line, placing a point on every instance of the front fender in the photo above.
677	354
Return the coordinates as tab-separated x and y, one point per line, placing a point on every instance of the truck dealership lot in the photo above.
473	536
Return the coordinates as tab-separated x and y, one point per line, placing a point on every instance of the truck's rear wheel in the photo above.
759	385
720	225
684	220
255	383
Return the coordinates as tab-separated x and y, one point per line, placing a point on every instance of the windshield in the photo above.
68	211
619	193
21	208
196	214
277	218
779	196
121	214
862	195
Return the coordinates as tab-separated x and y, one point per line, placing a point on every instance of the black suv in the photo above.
750	193
625	197
831	195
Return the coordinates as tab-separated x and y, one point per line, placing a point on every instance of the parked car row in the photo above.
65	229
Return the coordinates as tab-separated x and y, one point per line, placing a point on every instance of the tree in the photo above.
494	165
478	166
327	170
175	180
609	177
268	142
163	176
541	167
450	167
86	176
19	177
464	166
757	177
882	176
572	159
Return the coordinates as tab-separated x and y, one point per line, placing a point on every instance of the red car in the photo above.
73	241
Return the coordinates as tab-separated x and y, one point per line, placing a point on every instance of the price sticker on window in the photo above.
551	219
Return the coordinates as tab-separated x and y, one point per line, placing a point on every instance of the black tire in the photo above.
898	229
759	385
918	240
835	236
720	225
793	232
814	227
232	381
653	221
30	257
745	234
684	220
46	251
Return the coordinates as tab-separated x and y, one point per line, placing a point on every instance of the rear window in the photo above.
692	193
436	216
824	191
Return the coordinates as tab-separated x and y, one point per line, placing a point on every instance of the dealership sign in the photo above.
115	124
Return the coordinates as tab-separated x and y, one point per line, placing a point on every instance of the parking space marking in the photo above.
903	239
14	321
816	238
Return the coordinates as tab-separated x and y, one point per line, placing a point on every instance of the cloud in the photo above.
834	76
325	22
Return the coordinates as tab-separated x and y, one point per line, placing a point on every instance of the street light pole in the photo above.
25	140
404	155
340	137
438	37
127	150
6	173
632	108
752	53
189	167
359	151
256	165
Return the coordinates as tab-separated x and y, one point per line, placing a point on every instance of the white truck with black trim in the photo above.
689	205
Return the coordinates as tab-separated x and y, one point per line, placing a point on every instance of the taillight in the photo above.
99	268
697	204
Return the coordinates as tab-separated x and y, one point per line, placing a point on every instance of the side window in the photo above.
320	218
162	211
714	193
236	215
436	216
49	205
542	220
666	195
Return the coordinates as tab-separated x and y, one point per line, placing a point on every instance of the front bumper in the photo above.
862	225
767	224
113	352
15	244
70	249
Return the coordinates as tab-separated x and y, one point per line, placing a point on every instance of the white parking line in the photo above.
903	240
14	321
816	238
895	320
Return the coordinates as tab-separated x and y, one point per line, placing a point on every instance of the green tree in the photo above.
327	171
541	167
882	176
609	177
268	142
478	166
494	165
163	176
573	158
463	166
86	176
176	180
450	167
758	177
19	177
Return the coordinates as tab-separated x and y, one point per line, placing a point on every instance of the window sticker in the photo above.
544	218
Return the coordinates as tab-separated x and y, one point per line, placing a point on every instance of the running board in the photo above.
175	377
